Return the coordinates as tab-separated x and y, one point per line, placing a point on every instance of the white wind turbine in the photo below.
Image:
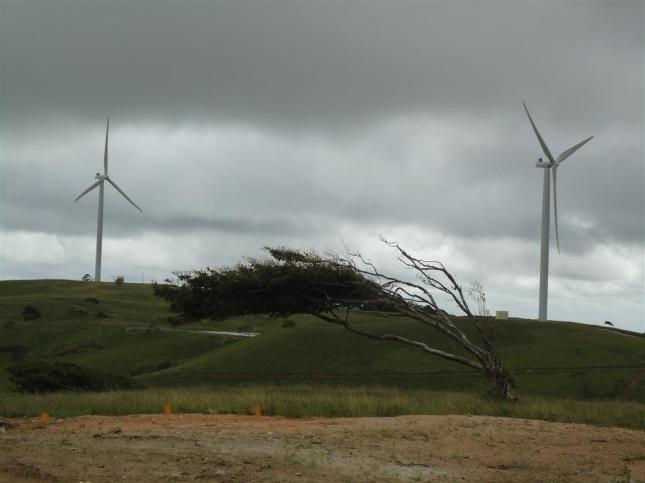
101	178
550	165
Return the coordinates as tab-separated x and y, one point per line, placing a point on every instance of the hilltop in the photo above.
126	329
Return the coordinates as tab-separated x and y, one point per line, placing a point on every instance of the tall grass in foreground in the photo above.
304	400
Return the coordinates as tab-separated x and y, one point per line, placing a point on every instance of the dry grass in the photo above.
304	400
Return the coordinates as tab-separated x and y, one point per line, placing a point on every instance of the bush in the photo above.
288	324
92	300
48	377
9	324
17	351
102	315
30	313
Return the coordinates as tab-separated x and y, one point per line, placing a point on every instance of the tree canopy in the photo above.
291	282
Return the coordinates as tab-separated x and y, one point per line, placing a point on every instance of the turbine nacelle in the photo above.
543	164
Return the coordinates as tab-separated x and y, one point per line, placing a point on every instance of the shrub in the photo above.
288	324
9	324
102	315
48	377
92	300
30	313
18	352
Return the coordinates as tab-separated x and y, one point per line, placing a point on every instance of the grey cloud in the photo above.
445	176
310	63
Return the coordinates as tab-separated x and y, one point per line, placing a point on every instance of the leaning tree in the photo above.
329	287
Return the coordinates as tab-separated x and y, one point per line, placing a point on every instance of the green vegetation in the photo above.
39	377
294	282
308	400
566	371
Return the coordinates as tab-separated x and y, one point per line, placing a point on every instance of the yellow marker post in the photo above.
44	417
167	409
258	411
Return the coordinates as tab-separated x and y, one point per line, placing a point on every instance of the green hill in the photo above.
127	332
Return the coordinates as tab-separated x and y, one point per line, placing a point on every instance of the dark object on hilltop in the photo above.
92	300
47	377
119	280
86	278
102	315
608	323
287	324
18	352
30	313
329	288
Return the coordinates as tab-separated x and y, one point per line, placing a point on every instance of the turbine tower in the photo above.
101	179
550	167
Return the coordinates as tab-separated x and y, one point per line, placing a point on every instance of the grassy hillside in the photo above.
548	359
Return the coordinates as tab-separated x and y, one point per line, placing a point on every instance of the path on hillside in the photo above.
243	448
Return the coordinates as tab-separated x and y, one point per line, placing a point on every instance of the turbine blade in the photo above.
545	148
105	155
124	195
573	149
554	170
88	190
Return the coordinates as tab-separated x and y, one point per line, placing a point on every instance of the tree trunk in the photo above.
501	380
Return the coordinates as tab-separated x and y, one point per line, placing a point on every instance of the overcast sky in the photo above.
238	125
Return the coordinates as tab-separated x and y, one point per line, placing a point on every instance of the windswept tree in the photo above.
329	287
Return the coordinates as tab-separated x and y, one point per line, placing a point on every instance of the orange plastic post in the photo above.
44	417
258	411
167	409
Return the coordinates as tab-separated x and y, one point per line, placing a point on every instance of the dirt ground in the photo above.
247	449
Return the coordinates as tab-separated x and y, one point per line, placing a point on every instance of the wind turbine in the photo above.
552	166
101	179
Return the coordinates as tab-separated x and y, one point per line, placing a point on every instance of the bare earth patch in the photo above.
242	448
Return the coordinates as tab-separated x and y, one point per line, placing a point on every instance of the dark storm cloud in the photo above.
297	63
